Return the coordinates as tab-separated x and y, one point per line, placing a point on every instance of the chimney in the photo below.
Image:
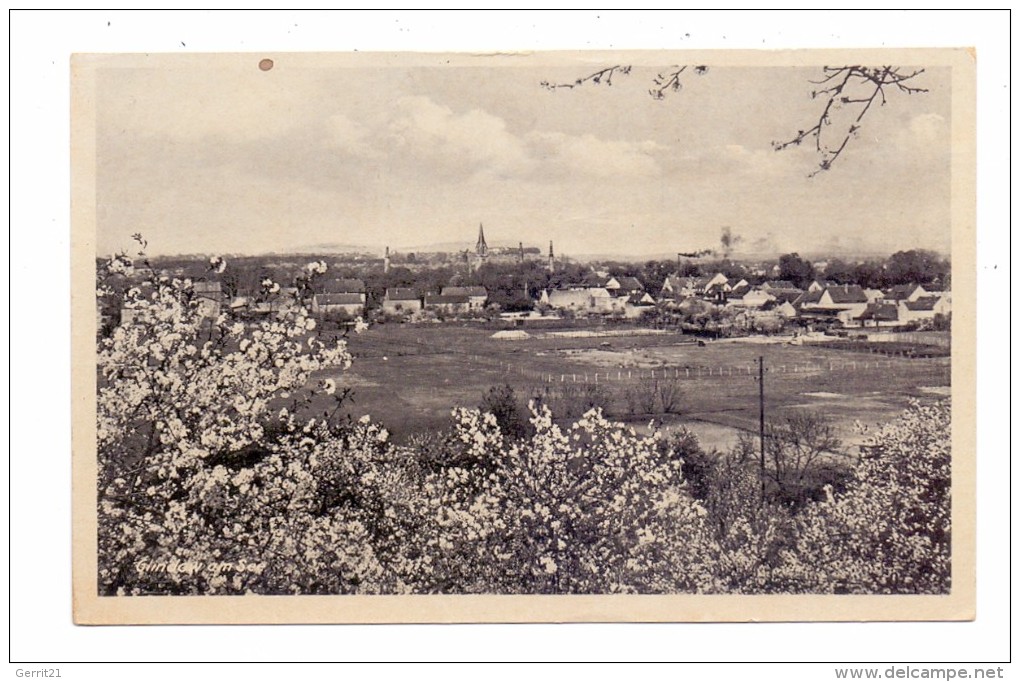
386	261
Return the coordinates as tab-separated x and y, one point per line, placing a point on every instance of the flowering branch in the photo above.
849	86
596	78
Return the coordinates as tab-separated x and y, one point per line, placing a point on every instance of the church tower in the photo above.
481	248
552	259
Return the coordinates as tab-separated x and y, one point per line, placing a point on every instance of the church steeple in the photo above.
552	261
481	248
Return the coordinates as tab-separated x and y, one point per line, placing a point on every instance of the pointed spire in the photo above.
481	248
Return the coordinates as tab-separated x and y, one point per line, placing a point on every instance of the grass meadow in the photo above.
408	377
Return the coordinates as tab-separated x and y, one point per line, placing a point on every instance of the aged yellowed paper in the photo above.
551	223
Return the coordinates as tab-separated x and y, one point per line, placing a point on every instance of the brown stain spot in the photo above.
266	64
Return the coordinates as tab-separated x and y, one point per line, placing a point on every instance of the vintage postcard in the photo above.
530	337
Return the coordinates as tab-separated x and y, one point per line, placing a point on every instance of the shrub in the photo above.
189	472
889	531
502	403
795	451
209	484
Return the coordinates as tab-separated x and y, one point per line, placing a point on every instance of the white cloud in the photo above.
928	128
589	155
344	134
475	139
424	136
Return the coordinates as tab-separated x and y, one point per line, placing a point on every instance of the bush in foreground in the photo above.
207	485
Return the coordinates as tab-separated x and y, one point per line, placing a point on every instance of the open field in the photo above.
409	377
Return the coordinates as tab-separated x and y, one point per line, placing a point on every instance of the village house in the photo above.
879	314
345	286
401	300
447	304
774	285
924	308
352	304
280	303
844	303
749	297
599	279
820	285
678	288
905	292
893	313
637	304
782	308
477	295
581	299
625	286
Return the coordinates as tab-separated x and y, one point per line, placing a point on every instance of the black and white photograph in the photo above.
551	336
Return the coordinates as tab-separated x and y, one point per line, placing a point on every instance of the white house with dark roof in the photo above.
924	308
345	286
749	297
476	295
779	284
351	303
582	299
905	292
843	302
447	303
820	285
625	286
879	314
401	300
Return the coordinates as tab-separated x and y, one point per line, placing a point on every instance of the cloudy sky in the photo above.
222	157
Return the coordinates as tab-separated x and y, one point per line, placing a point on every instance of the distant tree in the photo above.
689	269
795	269
655	272
916	266
501	402
795	447
840	272
567	274
870	275
731	269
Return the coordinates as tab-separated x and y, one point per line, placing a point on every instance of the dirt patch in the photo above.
614	359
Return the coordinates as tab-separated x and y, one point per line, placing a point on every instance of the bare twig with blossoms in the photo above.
669	81
665	82
854	88
601	76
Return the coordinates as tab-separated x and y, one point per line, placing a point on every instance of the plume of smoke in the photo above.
728	241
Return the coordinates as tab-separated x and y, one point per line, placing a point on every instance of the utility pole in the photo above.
761	420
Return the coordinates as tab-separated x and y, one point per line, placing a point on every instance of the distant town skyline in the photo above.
221	157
